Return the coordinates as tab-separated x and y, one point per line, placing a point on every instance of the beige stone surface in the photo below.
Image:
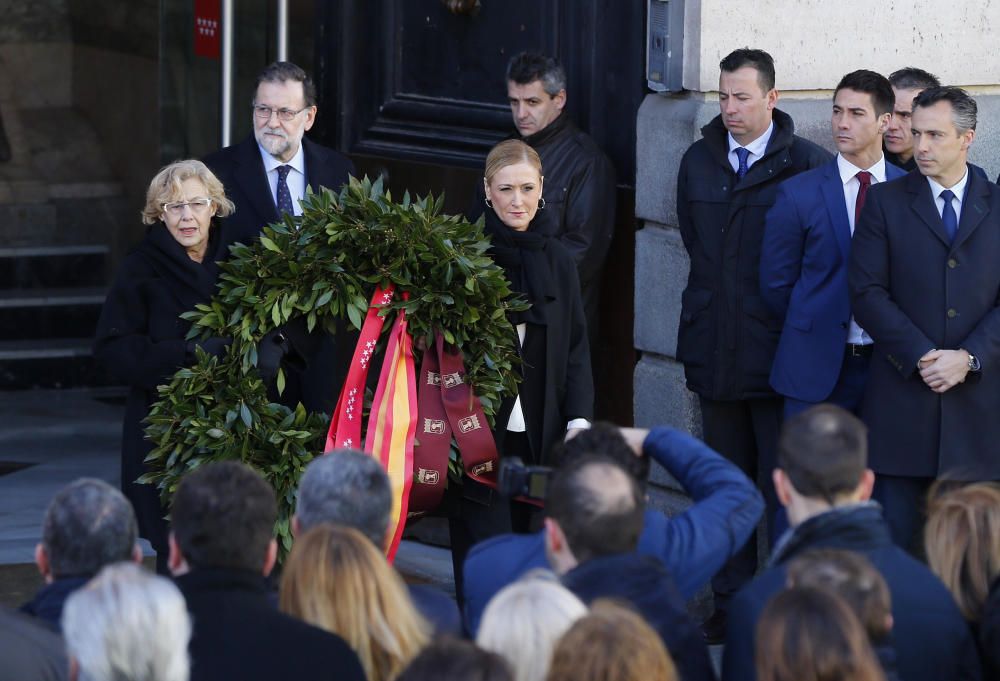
815	42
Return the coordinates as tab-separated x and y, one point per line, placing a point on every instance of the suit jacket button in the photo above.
843	325
952	313
952	263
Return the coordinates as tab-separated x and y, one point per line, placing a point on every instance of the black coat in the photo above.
931	639
319	367
727	335
241	171
579	192
237	634
140	341
644	583
558	385
913	292
989	634
29	651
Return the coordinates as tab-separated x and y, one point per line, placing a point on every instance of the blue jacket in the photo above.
803	279
693	545
931	639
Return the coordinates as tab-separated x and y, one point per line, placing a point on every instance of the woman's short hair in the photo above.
337	580
810	634
166	187
611	643
127	623
962	540
523	622
851	576
508	153
456	660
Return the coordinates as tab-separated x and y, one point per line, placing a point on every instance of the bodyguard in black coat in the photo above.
140	335
930	298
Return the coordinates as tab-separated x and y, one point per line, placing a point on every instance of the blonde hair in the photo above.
611	643
962	540
523	622
336	580
508	153
166	187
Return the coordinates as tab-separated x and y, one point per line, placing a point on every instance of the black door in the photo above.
415	90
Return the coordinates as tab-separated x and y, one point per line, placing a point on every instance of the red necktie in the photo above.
865	178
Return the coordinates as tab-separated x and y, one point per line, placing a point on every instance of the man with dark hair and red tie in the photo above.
925	284
726	337
823	354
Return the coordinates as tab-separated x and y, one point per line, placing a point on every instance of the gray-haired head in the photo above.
127	623
912	78
963	107
527	67
89	524
346	487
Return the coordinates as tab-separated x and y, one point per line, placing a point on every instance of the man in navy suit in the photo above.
925	284
823	353
266	176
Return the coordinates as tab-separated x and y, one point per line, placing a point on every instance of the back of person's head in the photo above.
602	440
611	643
456	660
127	625
759	60
851	576
824	452
88	524
598	506
524	621
809	634
337	580
873	84
912	78
962	541
527	67
223	516
346	487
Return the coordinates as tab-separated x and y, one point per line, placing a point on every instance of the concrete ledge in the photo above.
661	397
661	270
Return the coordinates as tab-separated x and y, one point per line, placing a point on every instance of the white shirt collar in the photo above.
757	147
848	170
958	189
298	161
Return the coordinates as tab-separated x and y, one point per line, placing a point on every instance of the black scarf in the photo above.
526	265
195	281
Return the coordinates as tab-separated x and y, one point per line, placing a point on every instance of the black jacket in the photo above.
989	634
237	634
579	192
644	583
140	341
47	605
727	336
931	639
29	651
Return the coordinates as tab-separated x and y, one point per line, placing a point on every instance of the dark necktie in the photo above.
948	216
865	178
284	196
743	154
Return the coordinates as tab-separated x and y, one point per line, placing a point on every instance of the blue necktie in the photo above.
284	196
743	153
948	216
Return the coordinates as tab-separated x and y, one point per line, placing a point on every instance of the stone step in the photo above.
49	363
27	314
48	266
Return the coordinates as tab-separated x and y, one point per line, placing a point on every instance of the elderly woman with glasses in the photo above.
140	335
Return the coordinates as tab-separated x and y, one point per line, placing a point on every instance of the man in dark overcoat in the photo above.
265	176
727	336
925	283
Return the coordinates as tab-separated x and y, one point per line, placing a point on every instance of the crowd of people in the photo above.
795	336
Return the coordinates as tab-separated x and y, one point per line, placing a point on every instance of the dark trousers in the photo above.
848	391
904	504
746	433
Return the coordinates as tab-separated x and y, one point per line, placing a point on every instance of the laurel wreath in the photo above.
323	266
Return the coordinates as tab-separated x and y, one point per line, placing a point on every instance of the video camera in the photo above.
519	480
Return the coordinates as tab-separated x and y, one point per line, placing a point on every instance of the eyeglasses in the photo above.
177	207
264	113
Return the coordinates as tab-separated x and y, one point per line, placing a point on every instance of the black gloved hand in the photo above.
216	345
270	351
